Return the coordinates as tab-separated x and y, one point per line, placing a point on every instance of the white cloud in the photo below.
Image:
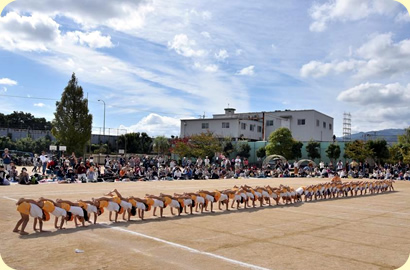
347	10
380	57
208	68
27	33
221	55
238	51
184	46
248	71
403	17
7	81
92	39
5	89
121	15
206	34
156	125
377	93
39	105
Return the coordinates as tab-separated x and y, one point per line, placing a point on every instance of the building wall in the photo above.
17	133
304	132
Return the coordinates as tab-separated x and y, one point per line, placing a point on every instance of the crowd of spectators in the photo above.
69	169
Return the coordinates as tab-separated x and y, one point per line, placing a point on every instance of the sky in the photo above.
154	62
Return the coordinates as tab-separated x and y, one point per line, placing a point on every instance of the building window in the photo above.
205	125
269	123
259	129
301	122
317	122
252	127
330	126
225	124
324	124
243	125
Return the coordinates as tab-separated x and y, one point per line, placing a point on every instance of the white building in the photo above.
257	126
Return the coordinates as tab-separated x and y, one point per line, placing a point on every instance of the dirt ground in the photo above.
364	232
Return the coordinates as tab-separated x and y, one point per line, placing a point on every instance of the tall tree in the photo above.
161	145
261	152
198	145
72	123
297	150
333	152
135	142
312	148
379	150
357	150
404	143
244	149
280	143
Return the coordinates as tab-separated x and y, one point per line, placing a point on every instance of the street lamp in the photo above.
104	117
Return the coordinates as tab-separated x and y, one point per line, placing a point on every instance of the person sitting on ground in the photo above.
24	178
3	177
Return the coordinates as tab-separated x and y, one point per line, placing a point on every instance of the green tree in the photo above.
135	142
357	150
261	152
333	152
228	148
379	150
404	144
313	149
198	145
243	150
395	153
161	145
72	122
297	150
280	143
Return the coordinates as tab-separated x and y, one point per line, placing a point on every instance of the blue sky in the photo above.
155	61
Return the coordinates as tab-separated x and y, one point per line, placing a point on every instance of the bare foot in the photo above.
16	231
23	233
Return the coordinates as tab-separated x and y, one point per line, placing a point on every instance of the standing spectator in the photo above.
206	161
36	163
238	162
6	159
44	161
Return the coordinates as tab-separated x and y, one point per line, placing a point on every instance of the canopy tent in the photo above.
273	159
306	162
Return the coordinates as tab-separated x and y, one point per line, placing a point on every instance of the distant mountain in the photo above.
390	135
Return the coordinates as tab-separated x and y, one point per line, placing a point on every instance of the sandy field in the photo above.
364	232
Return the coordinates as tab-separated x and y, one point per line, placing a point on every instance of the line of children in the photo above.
244	195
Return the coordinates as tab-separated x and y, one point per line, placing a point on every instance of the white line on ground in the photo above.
11	199
239	263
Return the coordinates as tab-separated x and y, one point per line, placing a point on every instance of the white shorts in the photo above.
158	203
299	191
141	206
91	208
209	198
187	202
59	212
243	195
199	199
265	194
77	211
292	193
258	194
112	206
274	195
35	211
250	195
174	204
223	197
126	205
284	194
